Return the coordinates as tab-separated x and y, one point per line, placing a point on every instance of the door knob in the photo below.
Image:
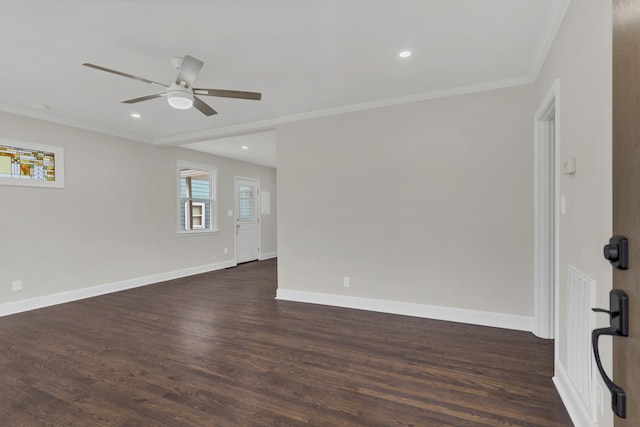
617	252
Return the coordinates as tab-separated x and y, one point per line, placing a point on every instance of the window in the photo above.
197	219
197	198
33	165
246	204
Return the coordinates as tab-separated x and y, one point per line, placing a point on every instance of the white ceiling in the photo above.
256	147
308	58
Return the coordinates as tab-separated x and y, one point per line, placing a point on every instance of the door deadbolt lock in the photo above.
617	252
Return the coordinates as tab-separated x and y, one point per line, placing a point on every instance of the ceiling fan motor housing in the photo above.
180	97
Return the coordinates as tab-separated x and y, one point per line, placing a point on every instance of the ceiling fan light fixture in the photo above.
180	98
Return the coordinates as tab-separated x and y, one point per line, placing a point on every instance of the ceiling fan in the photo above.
181	94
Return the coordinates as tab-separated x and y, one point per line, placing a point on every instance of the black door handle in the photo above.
618	396
618	326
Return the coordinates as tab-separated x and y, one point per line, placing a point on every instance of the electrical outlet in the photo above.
346	281
16	285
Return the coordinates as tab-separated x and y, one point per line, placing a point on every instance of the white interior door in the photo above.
247	219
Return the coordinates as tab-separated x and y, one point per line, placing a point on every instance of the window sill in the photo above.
196	233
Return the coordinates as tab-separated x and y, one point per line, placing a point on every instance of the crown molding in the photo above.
72	123
271	123
551	28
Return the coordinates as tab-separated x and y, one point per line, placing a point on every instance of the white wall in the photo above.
425	203
581	59
115	220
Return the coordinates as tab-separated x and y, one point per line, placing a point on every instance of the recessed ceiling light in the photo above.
405	54
135	115
244	147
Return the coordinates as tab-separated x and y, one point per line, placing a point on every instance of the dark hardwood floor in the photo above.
216	349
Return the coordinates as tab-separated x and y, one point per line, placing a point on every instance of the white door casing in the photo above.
546	215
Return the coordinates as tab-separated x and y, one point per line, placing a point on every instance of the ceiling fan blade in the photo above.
188	71
202	107
229	93
120	73
144	98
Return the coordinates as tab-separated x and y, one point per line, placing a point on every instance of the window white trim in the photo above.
181	209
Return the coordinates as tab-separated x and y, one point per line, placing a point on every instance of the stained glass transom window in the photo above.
25	163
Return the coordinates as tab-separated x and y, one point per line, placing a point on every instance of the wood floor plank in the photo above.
217	349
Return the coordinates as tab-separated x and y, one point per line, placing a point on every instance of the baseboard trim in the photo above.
474	317
268	255
7	309
577	412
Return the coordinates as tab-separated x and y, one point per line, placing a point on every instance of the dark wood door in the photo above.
626	193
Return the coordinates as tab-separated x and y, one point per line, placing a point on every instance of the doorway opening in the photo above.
546	215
